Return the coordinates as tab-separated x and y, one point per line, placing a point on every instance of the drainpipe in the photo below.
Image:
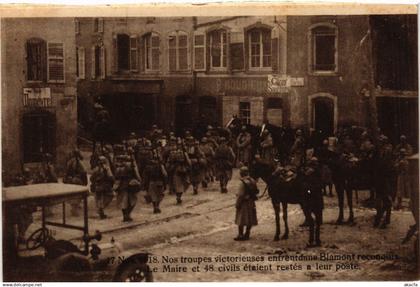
194	73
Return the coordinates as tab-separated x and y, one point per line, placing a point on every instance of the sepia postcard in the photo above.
245	142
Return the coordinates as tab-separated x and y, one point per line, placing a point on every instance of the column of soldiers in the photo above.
155	163
159	162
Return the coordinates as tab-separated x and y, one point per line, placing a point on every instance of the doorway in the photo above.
323	115
183	114
38	135
130	112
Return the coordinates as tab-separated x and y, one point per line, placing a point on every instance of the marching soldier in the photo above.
126	172
243	143
75	174
403	144
179	163
224	159
197	159
102	181
155	176
209	156
132	140
267	147
143	157
165	158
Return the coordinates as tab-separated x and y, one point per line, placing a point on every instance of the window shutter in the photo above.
133	53
114	54
199	52
100	25
208	51
55	62
142	52
275	55
103	62
237	51
228	60
172	52
246	51
93	64
81	62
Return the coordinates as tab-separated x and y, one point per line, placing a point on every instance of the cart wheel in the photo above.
37	238
135	272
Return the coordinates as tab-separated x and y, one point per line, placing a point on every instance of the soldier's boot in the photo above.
125	215
195	189
129	210
240	236
330	190
387	219
155	208
148	198
247	233
311	236
318	236
102	214
178	198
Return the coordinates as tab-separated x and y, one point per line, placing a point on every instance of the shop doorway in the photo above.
323	115
39	129
130	112
183	114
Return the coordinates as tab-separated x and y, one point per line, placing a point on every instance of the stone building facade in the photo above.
178	71
333	56
39	103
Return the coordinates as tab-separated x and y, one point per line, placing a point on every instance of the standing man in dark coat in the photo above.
246	212
384	175
224	159
243	143
312	202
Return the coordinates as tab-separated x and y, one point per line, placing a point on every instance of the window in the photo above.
55	62
259	48
324	47
245	112
178	51
80	62
152	51
98	25
218	49
199	52
36	59
123	48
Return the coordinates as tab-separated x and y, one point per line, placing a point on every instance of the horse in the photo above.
302	190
